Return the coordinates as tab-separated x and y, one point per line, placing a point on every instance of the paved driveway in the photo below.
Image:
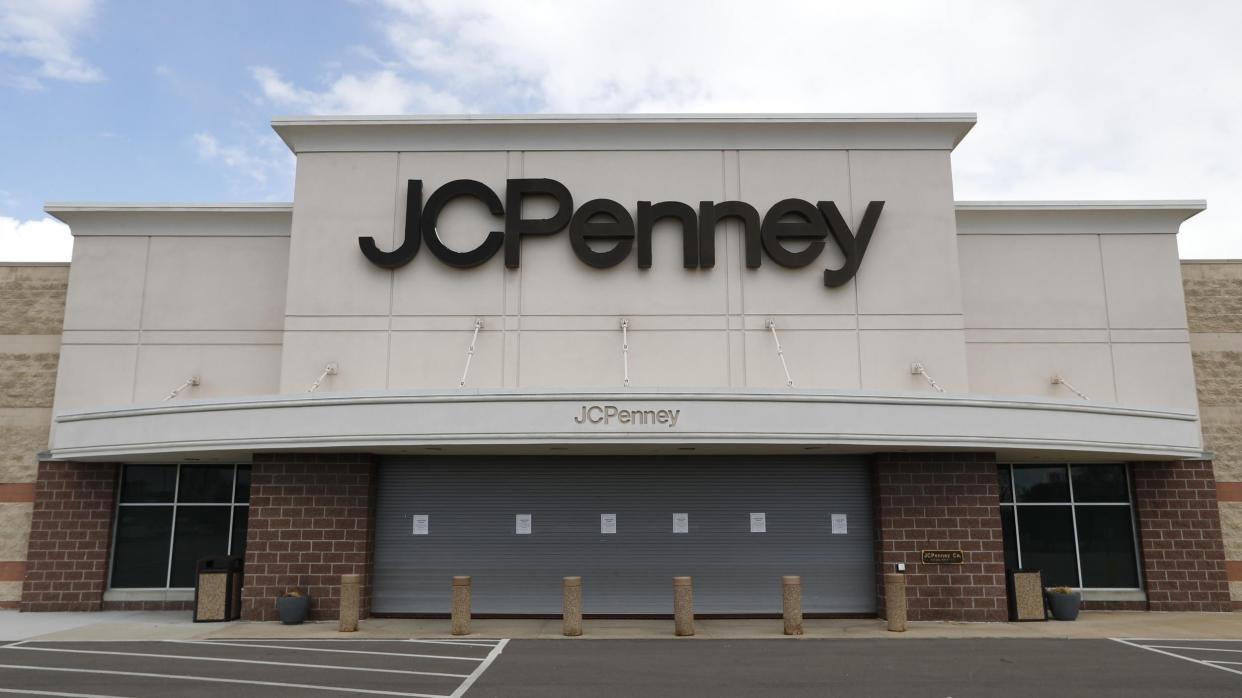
478	668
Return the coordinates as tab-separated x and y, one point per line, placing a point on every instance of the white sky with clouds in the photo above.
1076	100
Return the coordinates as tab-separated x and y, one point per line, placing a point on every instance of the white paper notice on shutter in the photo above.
759	523
681	523
523	525
421	524
839	527
607	523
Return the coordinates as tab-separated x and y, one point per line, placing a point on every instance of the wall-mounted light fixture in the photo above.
192	381
917	369
625	352
329	369
780	353
1058	380
478	325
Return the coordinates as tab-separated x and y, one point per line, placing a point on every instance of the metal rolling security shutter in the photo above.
472	503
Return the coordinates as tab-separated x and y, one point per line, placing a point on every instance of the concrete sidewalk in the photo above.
177	625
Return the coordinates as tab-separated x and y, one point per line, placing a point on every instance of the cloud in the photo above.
1107	99
265	162
43	33
44	240
379	92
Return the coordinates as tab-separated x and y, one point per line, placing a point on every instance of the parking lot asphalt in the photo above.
478	668
934	668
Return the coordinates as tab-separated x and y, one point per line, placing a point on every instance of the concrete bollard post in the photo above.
791	602
350	585
895	601
571	606
683	607
461	605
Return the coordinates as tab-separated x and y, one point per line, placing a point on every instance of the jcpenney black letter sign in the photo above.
606	221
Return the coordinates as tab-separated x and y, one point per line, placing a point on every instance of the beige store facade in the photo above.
603	324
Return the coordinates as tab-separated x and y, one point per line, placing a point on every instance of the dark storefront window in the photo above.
1075	523
170	516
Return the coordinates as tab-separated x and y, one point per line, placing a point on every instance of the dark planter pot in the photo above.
1065	606
293	610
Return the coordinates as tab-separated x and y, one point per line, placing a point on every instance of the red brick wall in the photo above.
311	521
1179	532
941	501
70	536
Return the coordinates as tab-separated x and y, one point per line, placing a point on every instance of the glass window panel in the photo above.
243	483
1100	483
1106	547
1040	484
1048	543
1011	538
1003	482
148	483
140	558
240	523
201	532
206	483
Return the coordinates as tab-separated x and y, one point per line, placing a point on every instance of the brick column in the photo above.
70	536
1180	536
941	501
311	520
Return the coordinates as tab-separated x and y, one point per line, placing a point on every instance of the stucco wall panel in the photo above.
223	371
106	283
911	265
96	375
362	358
818	359
341	197
1032	281
1155	375
887	355
436	359
233	283
1028	368
1143	278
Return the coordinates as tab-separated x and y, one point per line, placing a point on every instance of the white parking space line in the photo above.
332	667
32	692
474	675
1149	648
462	643
329	649
1196	649
213	679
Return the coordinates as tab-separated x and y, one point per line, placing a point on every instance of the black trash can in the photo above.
1026	595
217	589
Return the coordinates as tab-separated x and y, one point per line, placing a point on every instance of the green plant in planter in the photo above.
1063	602
293	606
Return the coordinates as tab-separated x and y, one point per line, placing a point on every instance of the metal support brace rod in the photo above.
1058	380
478	325
328	370
917	369
625	351
780	353
177	391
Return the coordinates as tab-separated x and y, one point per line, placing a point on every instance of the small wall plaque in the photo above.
943	557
